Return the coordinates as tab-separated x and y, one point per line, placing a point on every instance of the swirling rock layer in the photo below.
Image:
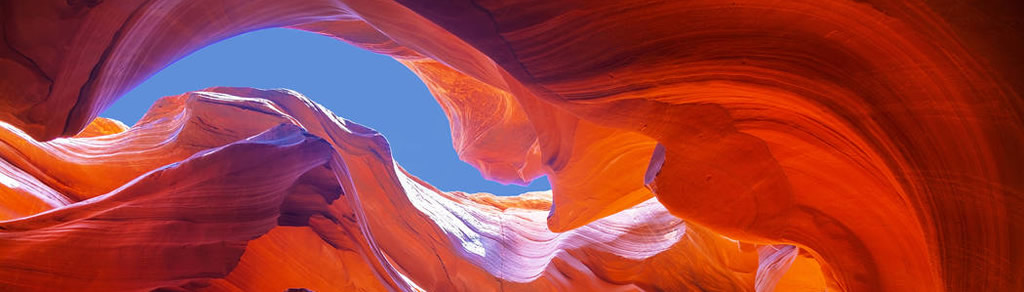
365	222
691	145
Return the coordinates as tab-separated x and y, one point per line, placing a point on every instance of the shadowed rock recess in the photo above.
704	145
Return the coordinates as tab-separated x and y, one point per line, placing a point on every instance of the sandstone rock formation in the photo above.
691	145
365	222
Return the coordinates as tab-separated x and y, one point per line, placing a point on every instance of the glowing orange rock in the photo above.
882	138
348	219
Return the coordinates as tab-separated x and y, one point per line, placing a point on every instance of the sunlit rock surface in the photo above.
238	184
691	145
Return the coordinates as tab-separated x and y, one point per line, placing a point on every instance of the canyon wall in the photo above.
691	145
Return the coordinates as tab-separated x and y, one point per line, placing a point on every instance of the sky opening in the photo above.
367	88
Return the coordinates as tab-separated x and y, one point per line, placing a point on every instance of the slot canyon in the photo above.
700	145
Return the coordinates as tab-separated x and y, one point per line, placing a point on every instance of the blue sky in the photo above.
370	89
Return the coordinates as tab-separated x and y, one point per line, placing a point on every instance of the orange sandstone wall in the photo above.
691	145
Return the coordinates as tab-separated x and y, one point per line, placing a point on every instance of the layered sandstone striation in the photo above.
329	214
691	145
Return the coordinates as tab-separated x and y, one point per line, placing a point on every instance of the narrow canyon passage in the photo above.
689	146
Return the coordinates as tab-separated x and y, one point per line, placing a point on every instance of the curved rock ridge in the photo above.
881	137
329	214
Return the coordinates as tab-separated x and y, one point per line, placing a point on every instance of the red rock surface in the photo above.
691	145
